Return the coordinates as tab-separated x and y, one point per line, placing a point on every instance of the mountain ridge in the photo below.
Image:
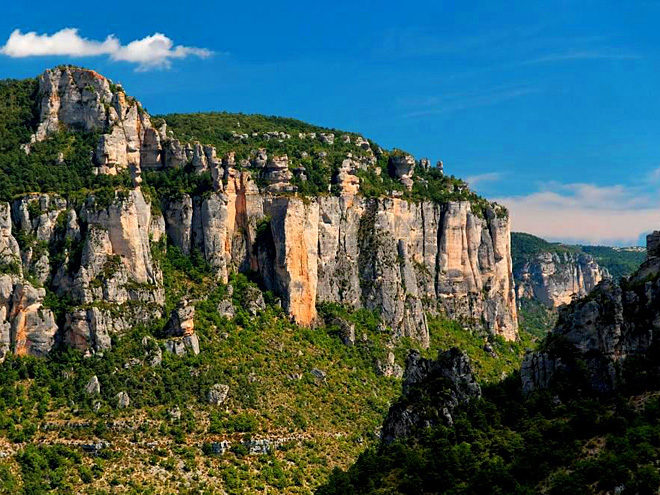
234	320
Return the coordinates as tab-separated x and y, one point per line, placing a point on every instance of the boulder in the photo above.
218	394
346	330
182	320
93	386
123	400
402	167
254	301
226	309
389	367
327	138
318	373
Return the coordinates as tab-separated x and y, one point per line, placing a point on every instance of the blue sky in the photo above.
553	108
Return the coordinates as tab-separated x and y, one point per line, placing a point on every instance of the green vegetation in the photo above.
265	360
492	357
320	160
558	442
620	262
535	318
524	246
42	170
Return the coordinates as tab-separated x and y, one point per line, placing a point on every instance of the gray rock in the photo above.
446	383
220	448
278	176
403	167
389	367
94	449
123	400
327	138
191	342
218	394
346	330
183	345
259	447
254	301
226	309
595	336
93	386
317	373
153	353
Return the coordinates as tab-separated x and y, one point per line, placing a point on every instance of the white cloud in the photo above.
152	52
586	213
474	180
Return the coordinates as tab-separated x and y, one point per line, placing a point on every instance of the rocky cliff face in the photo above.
555	278
399	257
97	255
387	254
600	332
432	389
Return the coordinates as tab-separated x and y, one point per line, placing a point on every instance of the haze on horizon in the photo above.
549	109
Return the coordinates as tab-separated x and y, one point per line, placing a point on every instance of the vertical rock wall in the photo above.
400	258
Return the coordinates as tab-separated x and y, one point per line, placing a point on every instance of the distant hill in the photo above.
618	261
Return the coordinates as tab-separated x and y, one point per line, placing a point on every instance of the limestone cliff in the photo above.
598	334
555	278
99	256
401	256
389	254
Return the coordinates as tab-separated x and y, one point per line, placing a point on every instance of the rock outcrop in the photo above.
555	278
72	97
26	326
403	167
596	335
432	389
97	255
